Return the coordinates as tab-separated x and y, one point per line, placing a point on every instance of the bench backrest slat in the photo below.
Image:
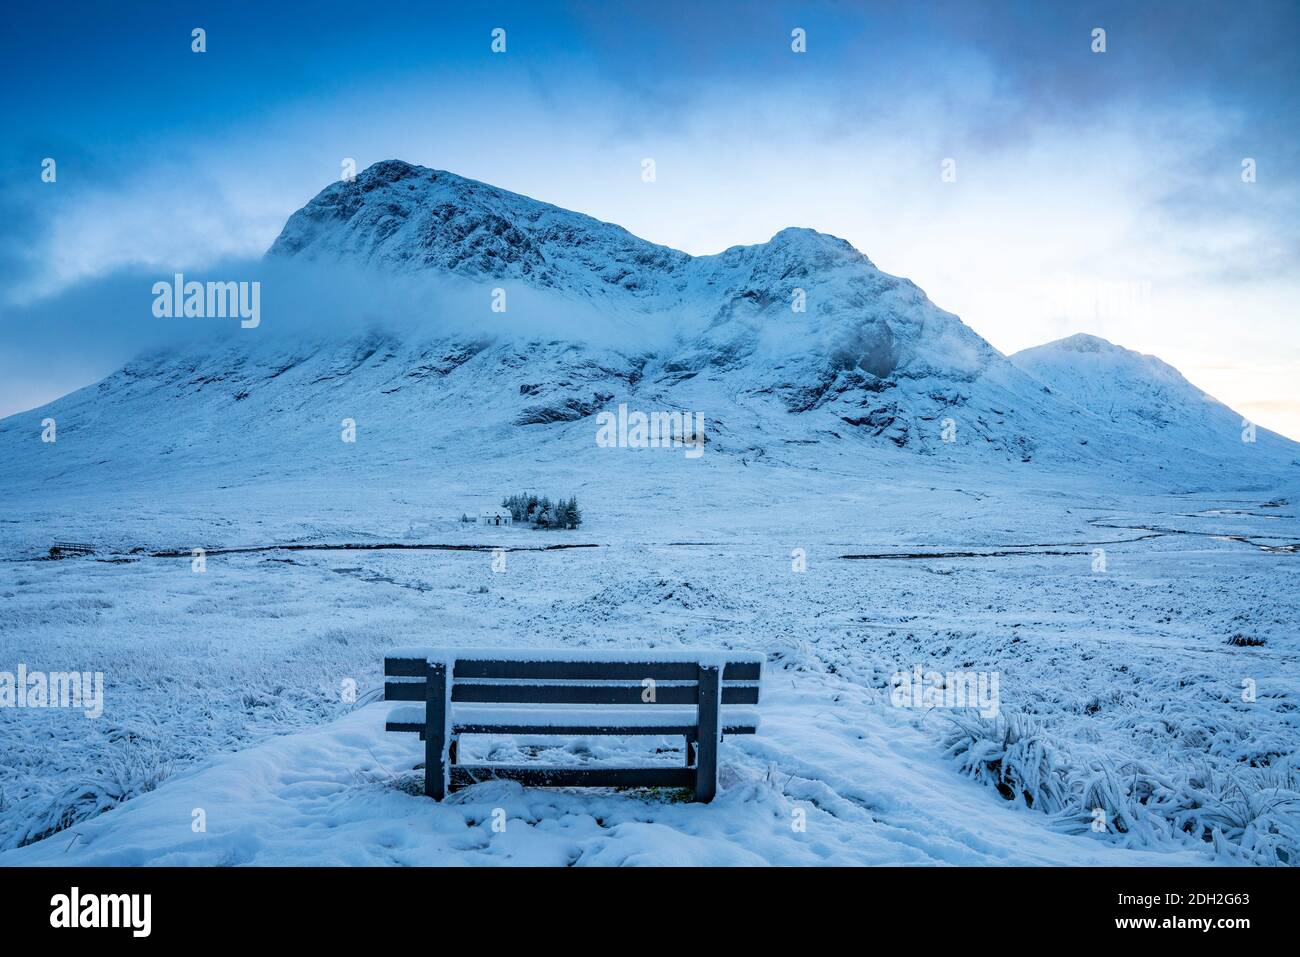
608	693
514	681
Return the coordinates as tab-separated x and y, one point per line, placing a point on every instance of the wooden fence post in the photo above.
435	730
709	719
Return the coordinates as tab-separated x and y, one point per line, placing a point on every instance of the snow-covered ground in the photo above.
881	492
224	689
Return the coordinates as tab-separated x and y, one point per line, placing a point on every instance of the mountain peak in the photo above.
802	241
391	170
802	236
1082	342
398	215
1084	351
1085	342
1084	347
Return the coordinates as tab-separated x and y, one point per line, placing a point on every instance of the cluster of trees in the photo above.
541	512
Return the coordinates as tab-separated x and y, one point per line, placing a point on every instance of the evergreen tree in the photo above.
541	511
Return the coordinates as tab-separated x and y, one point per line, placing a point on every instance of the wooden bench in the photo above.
60	549
692	694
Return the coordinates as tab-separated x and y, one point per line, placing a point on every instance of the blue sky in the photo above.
1094	192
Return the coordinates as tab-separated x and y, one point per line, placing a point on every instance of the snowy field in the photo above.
1124	679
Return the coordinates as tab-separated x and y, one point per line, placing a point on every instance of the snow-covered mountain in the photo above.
1136	392
800	341
804	320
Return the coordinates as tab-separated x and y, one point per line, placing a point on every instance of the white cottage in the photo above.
494	516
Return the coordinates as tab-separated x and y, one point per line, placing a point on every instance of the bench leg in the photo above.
690	751
451	750
709	718
435	730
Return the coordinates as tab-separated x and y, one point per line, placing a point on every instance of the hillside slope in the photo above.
1135	392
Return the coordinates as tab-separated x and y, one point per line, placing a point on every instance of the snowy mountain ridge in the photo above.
409	218
795	343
